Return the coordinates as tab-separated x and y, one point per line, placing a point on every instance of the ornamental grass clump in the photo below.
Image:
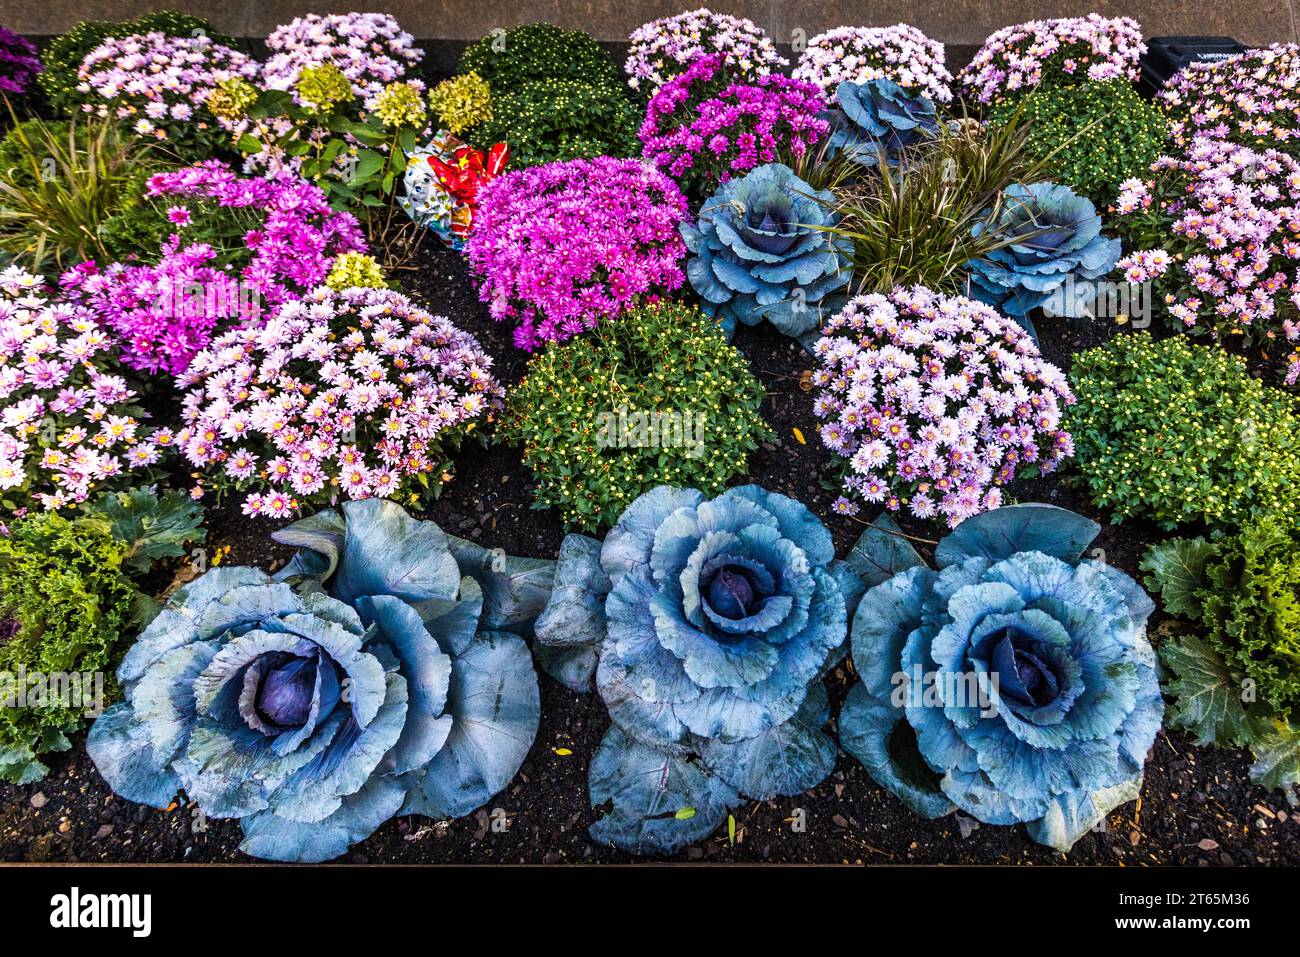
508	59
69	425
370	49
901	53
157	85
709	624
1252	99
1094	135
552	120
1175	433
653	396
1059	52
664	48
1216	229
937	402
557	248
375	675
67	606
354	394
703	128
1236	671
1029	690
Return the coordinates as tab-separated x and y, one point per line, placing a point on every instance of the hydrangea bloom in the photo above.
878	117
713	622
1218	231
1060	51
356	393
370	48
373	676
702	129
155	82
560	246
936	401
663	48
758	253
1016	683
1060	248
166	312
68	425
19	63
1252	99
900	53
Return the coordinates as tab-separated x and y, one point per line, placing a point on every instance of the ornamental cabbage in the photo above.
762	250
1016	683
373	676
1057	250
709	624
879	117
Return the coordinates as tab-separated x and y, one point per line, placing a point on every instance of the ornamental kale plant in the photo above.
358	393
878	118
157	84
1015	683
900	53
18	63
370	49
1175	432
67	603
763	249
508	59
937	402
251	245
651	397
1094	135
1237	672
1060	52
703	129
1224	268
374	676
722	616
1055	247
1252	99
557	248
665	48
553	120
69	425
63	56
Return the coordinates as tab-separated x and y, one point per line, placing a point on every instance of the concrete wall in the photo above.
1254	22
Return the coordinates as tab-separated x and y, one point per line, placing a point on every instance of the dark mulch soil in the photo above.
1198	806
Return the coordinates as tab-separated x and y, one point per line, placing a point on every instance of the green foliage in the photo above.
461	102
583	413
916	226
61	186
508	59
150	527
62	58
1177	433
1093	136
546	121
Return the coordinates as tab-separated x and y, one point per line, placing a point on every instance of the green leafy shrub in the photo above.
539	51
546	121
1094	136
1237	678
1176	432
67	606
62	58
61	186
653	397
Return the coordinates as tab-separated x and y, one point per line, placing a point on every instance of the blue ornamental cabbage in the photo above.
375	675
761	251
877	118
1061	250
1015	683
710	624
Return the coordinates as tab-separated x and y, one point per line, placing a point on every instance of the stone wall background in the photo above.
962	22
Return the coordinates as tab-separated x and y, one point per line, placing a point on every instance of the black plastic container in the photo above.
1165	56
